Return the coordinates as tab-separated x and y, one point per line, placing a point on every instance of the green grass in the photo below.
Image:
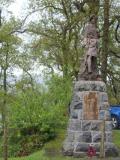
116	137
40	155
51	150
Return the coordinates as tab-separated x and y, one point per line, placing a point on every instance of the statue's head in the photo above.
93	19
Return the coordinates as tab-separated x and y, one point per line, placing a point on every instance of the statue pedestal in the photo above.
88	109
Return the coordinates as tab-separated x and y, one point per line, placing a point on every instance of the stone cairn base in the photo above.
88	109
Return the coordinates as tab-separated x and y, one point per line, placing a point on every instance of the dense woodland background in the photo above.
31	113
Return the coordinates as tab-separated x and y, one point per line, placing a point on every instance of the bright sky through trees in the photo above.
18	7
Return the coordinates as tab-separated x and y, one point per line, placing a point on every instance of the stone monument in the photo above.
89	107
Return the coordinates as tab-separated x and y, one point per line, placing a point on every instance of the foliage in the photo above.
113	62
58	41
36	114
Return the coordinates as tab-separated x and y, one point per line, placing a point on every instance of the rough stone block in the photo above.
87	137
74	114
70	137
78	105
80	114
81	147
104	97
96	137
78	137
102	89
102	107
96	126
97	146
68	148
86	125
75	99
108	126
108	136
75	126
80	95
107	116
101	115
111	150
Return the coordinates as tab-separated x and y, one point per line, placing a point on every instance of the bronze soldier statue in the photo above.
90	42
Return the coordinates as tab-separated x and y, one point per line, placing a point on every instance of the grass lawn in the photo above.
40	155
55	146
116	138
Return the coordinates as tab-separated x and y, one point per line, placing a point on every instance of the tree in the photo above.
58	35
105	41
112	56
8	50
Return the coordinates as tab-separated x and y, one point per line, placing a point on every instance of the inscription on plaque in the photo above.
91	106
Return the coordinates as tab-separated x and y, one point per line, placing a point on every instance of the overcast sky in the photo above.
18	7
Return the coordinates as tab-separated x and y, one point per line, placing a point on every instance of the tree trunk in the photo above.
4	108
5	118
105	41
0	17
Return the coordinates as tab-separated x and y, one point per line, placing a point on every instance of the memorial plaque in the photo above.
91	106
